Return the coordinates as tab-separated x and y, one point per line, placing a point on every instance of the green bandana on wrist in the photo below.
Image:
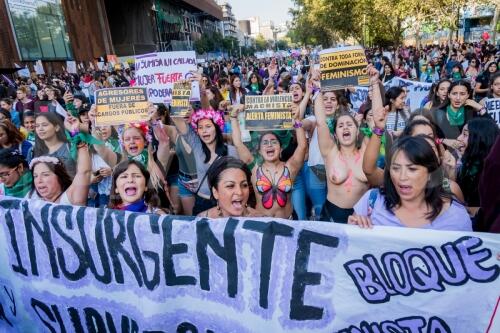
79	138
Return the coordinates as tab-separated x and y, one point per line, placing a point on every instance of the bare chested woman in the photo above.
346	181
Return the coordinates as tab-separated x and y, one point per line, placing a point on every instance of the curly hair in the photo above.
14	136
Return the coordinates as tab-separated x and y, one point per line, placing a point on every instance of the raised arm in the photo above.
305	99
243	152
374	174
163	152
326	143
296	161
78	191
269	90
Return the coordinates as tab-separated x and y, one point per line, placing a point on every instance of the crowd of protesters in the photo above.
385	164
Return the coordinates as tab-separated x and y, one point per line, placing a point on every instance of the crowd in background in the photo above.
384	164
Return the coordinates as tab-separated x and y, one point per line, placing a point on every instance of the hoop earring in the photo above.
219	211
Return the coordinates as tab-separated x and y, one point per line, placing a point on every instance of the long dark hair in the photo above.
433	96
150	195
419	152
214	102
408	130
232	89
482	135
40	146
220	147
392	94
11	158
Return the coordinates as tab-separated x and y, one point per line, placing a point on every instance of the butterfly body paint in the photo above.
274	192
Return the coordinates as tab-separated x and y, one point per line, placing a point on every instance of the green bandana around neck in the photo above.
141	158
21	187
456	118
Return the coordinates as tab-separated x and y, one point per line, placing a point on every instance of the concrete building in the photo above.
58	30
245	27
254	26
228	21
267	30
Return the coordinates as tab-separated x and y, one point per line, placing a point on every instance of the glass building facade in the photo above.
40	29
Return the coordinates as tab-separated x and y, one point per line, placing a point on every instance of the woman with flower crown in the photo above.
51	181
202	141
136	141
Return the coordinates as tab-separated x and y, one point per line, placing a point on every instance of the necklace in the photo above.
220	214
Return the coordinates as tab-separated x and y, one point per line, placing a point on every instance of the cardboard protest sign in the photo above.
24	72
493	107
159	71
116	106
39	68
65	268
71	67
342	67
180	99
268	112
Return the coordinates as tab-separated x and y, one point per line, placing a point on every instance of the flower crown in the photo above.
143	127
44	159
200	114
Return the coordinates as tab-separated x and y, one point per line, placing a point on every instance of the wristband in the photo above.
315	95
74	132
482	111
439	141
297	124
378	131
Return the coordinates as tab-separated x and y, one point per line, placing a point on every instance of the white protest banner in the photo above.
159	71
64	268
416	92
22	72
71	67
493	107
39	68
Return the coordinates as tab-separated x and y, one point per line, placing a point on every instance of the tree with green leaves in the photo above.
261	43
327	22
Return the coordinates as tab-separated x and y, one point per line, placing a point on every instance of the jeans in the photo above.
299	196
315	189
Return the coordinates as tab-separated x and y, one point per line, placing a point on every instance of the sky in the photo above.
275	10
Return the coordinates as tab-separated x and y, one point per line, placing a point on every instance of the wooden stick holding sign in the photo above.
180	99
117	106
268	112
342	67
